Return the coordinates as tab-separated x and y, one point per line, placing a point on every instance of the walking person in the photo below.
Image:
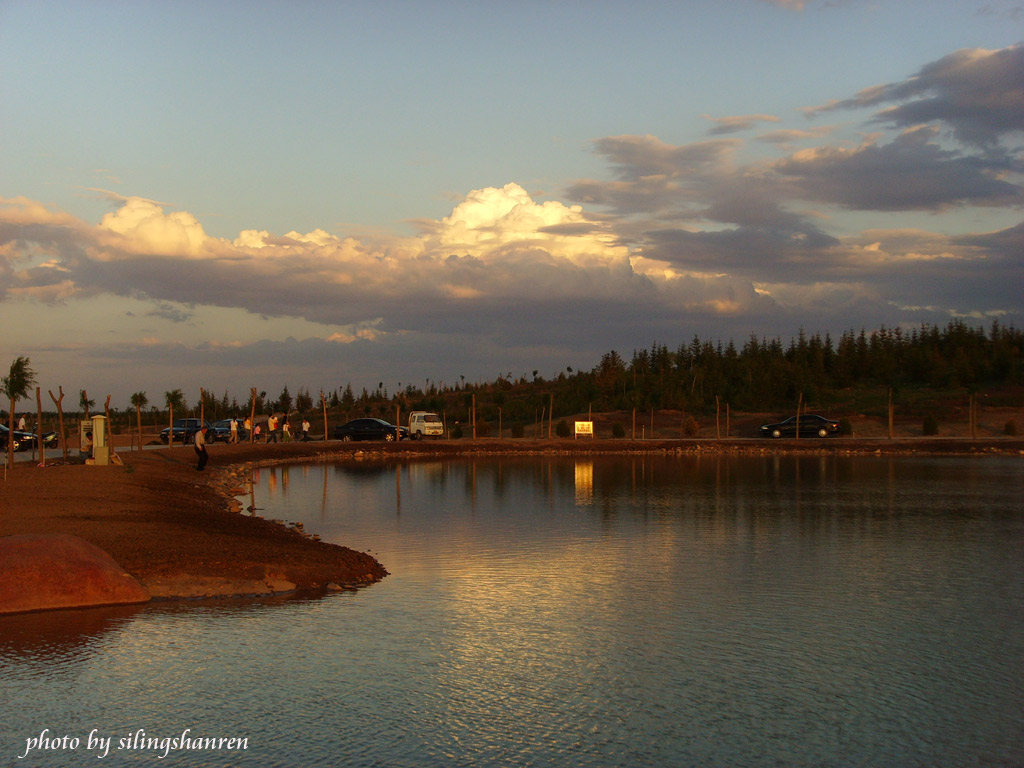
272	429
200	447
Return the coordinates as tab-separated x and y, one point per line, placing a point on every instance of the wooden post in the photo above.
551	414
890	413
252	415
634	425
718	423
138	422
323	406
202	407
60	417
39	428
973	418
110	427
799	404
473	396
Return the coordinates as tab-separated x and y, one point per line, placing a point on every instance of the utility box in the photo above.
100	445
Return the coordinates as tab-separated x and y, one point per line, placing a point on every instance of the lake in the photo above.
605	611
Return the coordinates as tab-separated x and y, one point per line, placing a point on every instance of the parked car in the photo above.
184	430
19	438
810	425
25	441
368	429
222	431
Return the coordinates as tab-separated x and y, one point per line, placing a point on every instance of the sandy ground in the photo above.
181	534
174	528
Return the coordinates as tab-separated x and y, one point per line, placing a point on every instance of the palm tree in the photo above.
85	402
16	385
173	398
140	401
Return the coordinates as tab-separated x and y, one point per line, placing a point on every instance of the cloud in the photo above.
910	173
737	123
146	229
977	93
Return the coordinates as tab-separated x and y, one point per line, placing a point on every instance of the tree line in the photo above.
696	378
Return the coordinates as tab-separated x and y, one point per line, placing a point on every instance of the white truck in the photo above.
425	424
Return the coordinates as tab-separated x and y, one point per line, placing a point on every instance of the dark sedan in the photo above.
24	441
27	440
368	429
809	426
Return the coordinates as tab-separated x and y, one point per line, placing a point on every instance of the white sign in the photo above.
584	428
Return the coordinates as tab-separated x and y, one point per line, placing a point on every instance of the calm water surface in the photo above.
579	612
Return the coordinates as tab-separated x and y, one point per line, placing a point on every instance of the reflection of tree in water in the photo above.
53	637
366	469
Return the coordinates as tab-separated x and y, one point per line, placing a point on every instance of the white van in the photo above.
425	424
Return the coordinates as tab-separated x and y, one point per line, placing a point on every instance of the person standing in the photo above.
272	429
200	447
234	431
305	429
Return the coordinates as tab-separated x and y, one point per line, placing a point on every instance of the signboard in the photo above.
584	429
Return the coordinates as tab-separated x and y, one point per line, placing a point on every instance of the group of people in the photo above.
277	429
280	429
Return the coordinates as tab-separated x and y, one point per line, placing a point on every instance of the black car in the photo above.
368	429
24	441
810	425
222	431
184	430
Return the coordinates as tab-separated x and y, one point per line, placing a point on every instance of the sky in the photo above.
312	194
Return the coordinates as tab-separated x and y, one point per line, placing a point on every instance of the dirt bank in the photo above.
172	527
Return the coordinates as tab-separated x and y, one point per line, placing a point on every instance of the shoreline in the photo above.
183	534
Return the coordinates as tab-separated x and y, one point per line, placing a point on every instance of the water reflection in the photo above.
596	612
58	637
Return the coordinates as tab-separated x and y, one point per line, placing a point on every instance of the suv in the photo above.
184	430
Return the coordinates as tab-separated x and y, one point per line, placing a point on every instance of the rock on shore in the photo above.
45	571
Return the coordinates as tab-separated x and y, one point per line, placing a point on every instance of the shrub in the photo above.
690	426
483	429
845	426
563	430
1011	428
618	430
456	433
930	426
518	430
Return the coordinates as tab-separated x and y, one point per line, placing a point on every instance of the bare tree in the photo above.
57	401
